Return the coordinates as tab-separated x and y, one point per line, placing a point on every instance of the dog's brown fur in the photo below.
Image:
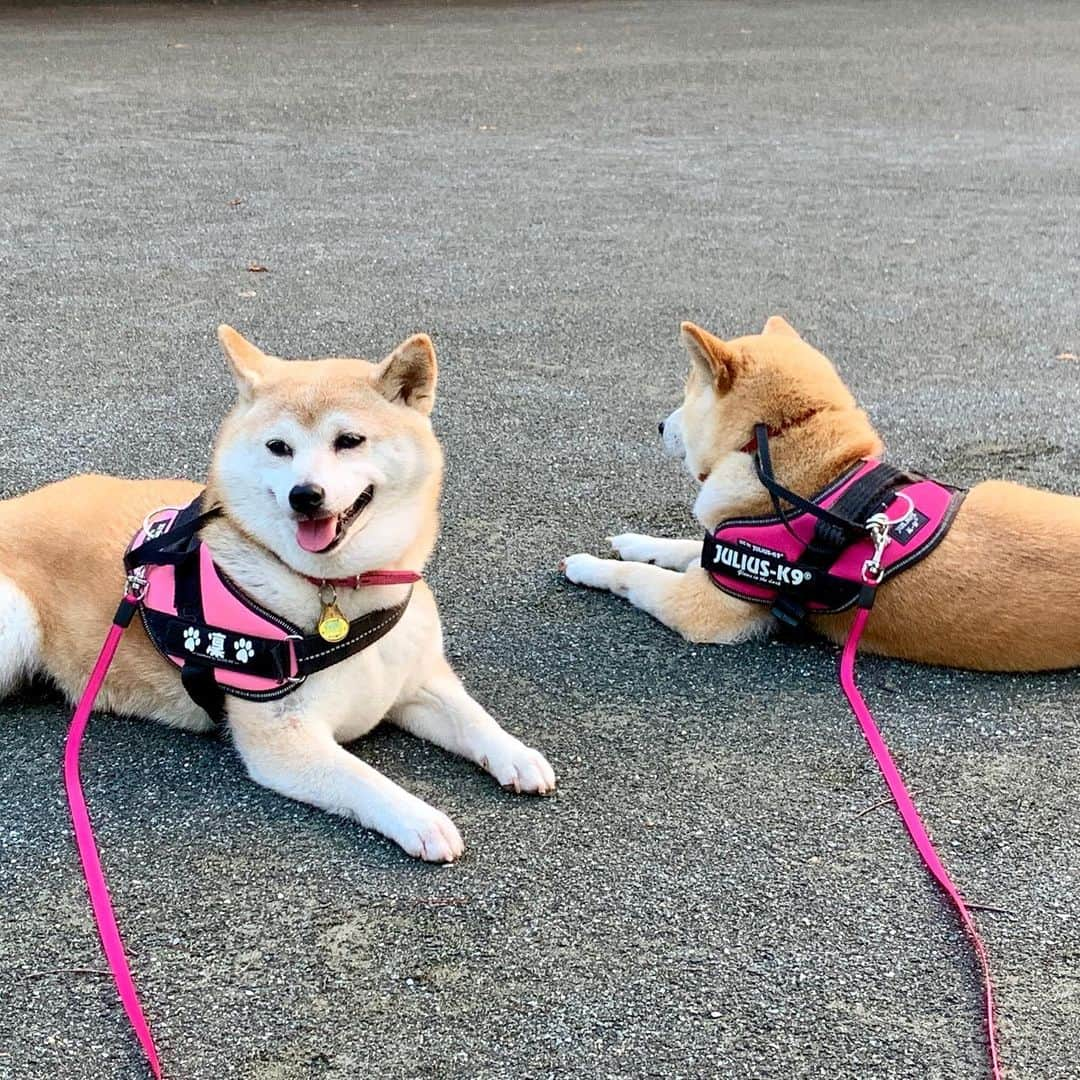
1000	593
74	611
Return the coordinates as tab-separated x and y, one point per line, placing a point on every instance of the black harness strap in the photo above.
219	647
179	546
777	492
795	579
835	529
314	654
173	546
205	646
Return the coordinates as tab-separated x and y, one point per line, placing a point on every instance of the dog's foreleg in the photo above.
297	756
688	603
441	711
672	554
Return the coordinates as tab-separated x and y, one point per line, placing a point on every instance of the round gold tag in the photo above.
333	626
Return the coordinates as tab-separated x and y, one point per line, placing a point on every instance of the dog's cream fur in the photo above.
61	576
1001	592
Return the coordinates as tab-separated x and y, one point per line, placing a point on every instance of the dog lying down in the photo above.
999	592
323	470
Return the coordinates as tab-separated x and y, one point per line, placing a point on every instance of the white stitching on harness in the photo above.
395	614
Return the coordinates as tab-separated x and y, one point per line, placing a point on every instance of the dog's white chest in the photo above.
352	697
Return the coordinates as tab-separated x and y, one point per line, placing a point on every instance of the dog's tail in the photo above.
20	636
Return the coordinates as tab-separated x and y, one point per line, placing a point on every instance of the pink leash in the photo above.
915	827
84	837
80	817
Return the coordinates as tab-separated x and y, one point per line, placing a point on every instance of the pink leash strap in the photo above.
84	837
915	827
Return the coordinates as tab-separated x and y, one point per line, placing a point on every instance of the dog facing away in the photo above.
322	470
999	593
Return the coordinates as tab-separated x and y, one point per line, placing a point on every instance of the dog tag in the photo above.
333	626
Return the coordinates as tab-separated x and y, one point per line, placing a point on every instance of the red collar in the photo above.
751	446
369	577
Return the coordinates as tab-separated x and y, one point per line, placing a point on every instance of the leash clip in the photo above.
879	526
136	583
879	531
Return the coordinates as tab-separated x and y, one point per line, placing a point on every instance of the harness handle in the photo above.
909	815
764	469
156	550
100	901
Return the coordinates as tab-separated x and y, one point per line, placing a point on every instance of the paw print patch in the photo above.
192	637
244	650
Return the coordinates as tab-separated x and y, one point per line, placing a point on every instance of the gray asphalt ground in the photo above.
548	189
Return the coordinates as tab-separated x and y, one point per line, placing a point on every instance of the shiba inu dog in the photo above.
322	470
1000	591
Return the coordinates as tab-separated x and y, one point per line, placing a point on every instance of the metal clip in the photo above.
879	532
327	594
136	583
878	526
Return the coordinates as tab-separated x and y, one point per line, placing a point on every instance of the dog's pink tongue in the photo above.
316	534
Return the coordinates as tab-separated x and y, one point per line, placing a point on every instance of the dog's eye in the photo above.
349	440
279	448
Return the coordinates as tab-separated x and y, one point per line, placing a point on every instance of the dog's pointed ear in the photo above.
409	373
715	358
777	324
248	363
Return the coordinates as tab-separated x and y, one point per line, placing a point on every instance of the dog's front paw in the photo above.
520	768
588	570
656	550
428	834
635	547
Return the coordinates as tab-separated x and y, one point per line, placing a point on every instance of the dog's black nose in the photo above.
660	427
306	498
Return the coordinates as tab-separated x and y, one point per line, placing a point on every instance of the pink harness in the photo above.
872	522
223	642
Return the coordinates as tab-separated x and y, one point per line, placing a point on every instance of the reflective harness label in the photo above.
761	565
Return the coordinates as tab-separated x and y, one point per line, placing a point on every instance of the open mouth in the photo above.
322	534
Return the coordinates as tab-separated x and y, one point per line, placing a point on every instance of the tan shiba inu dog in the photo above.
1000	592
323	470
